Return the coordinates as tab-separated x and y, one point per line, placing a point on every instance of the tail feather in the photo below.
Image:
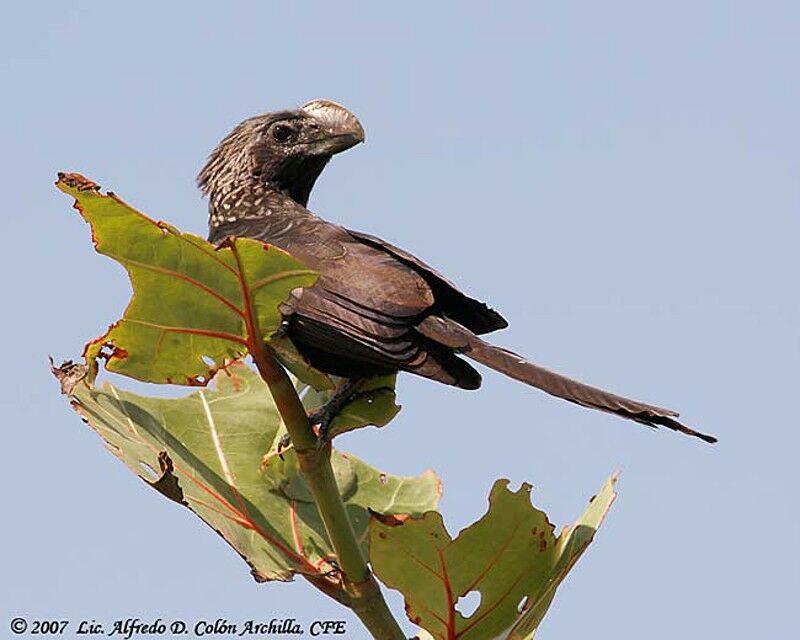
451	334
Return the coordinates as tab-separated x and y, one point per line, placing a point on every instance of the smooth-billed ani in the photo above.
375	308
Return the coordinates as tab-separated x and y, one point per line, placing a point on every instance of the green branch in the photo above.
363	593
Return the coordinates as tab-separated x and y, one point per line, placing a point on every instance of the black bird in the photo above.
375	309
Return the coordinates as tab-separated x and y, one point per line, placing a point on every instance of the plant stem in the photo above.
363	593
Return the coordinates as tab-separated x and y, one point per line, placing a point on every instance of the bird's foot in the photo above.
326	414
323	417
283	443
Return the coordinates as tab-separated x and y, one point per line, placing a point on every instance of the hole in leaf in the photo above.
212	364
522	603
467	604
149	470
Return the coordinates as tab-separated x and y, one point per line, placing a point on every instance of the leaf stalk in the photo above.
363	594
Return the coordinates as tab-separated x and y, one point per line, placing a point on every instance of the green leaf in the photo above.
214	451
511	557
195	307
572	542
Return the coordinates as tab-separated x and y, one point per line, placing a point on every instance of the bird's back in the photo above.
360	317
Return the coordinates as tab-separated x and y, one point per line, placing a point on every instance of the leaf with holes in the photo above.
571	544
511	558
214	451
222	301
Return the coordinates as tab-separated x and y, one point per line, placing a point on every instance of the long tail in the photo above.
451	334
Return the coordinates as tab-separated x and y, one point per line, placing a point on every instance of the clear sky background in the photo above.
619	179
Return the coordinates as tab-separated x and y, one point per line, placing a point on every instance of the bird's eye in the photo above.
282	132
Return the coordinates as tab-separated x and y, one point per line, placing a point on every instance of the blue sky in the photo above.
619	179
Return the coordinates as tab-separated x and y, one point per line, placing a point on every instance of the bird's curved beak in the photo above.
338	128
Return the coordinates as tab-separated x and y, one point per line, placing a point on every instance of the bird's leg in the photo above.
325	415
283	443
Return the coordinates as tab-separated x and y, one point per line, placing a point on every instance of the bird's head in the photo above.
286	150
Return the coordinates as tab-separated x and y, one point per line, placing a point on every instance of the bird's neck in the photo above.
296	177
234	196
270	208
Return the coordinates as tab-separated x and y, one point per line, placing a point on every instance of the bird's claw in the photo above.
323	417
283	443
